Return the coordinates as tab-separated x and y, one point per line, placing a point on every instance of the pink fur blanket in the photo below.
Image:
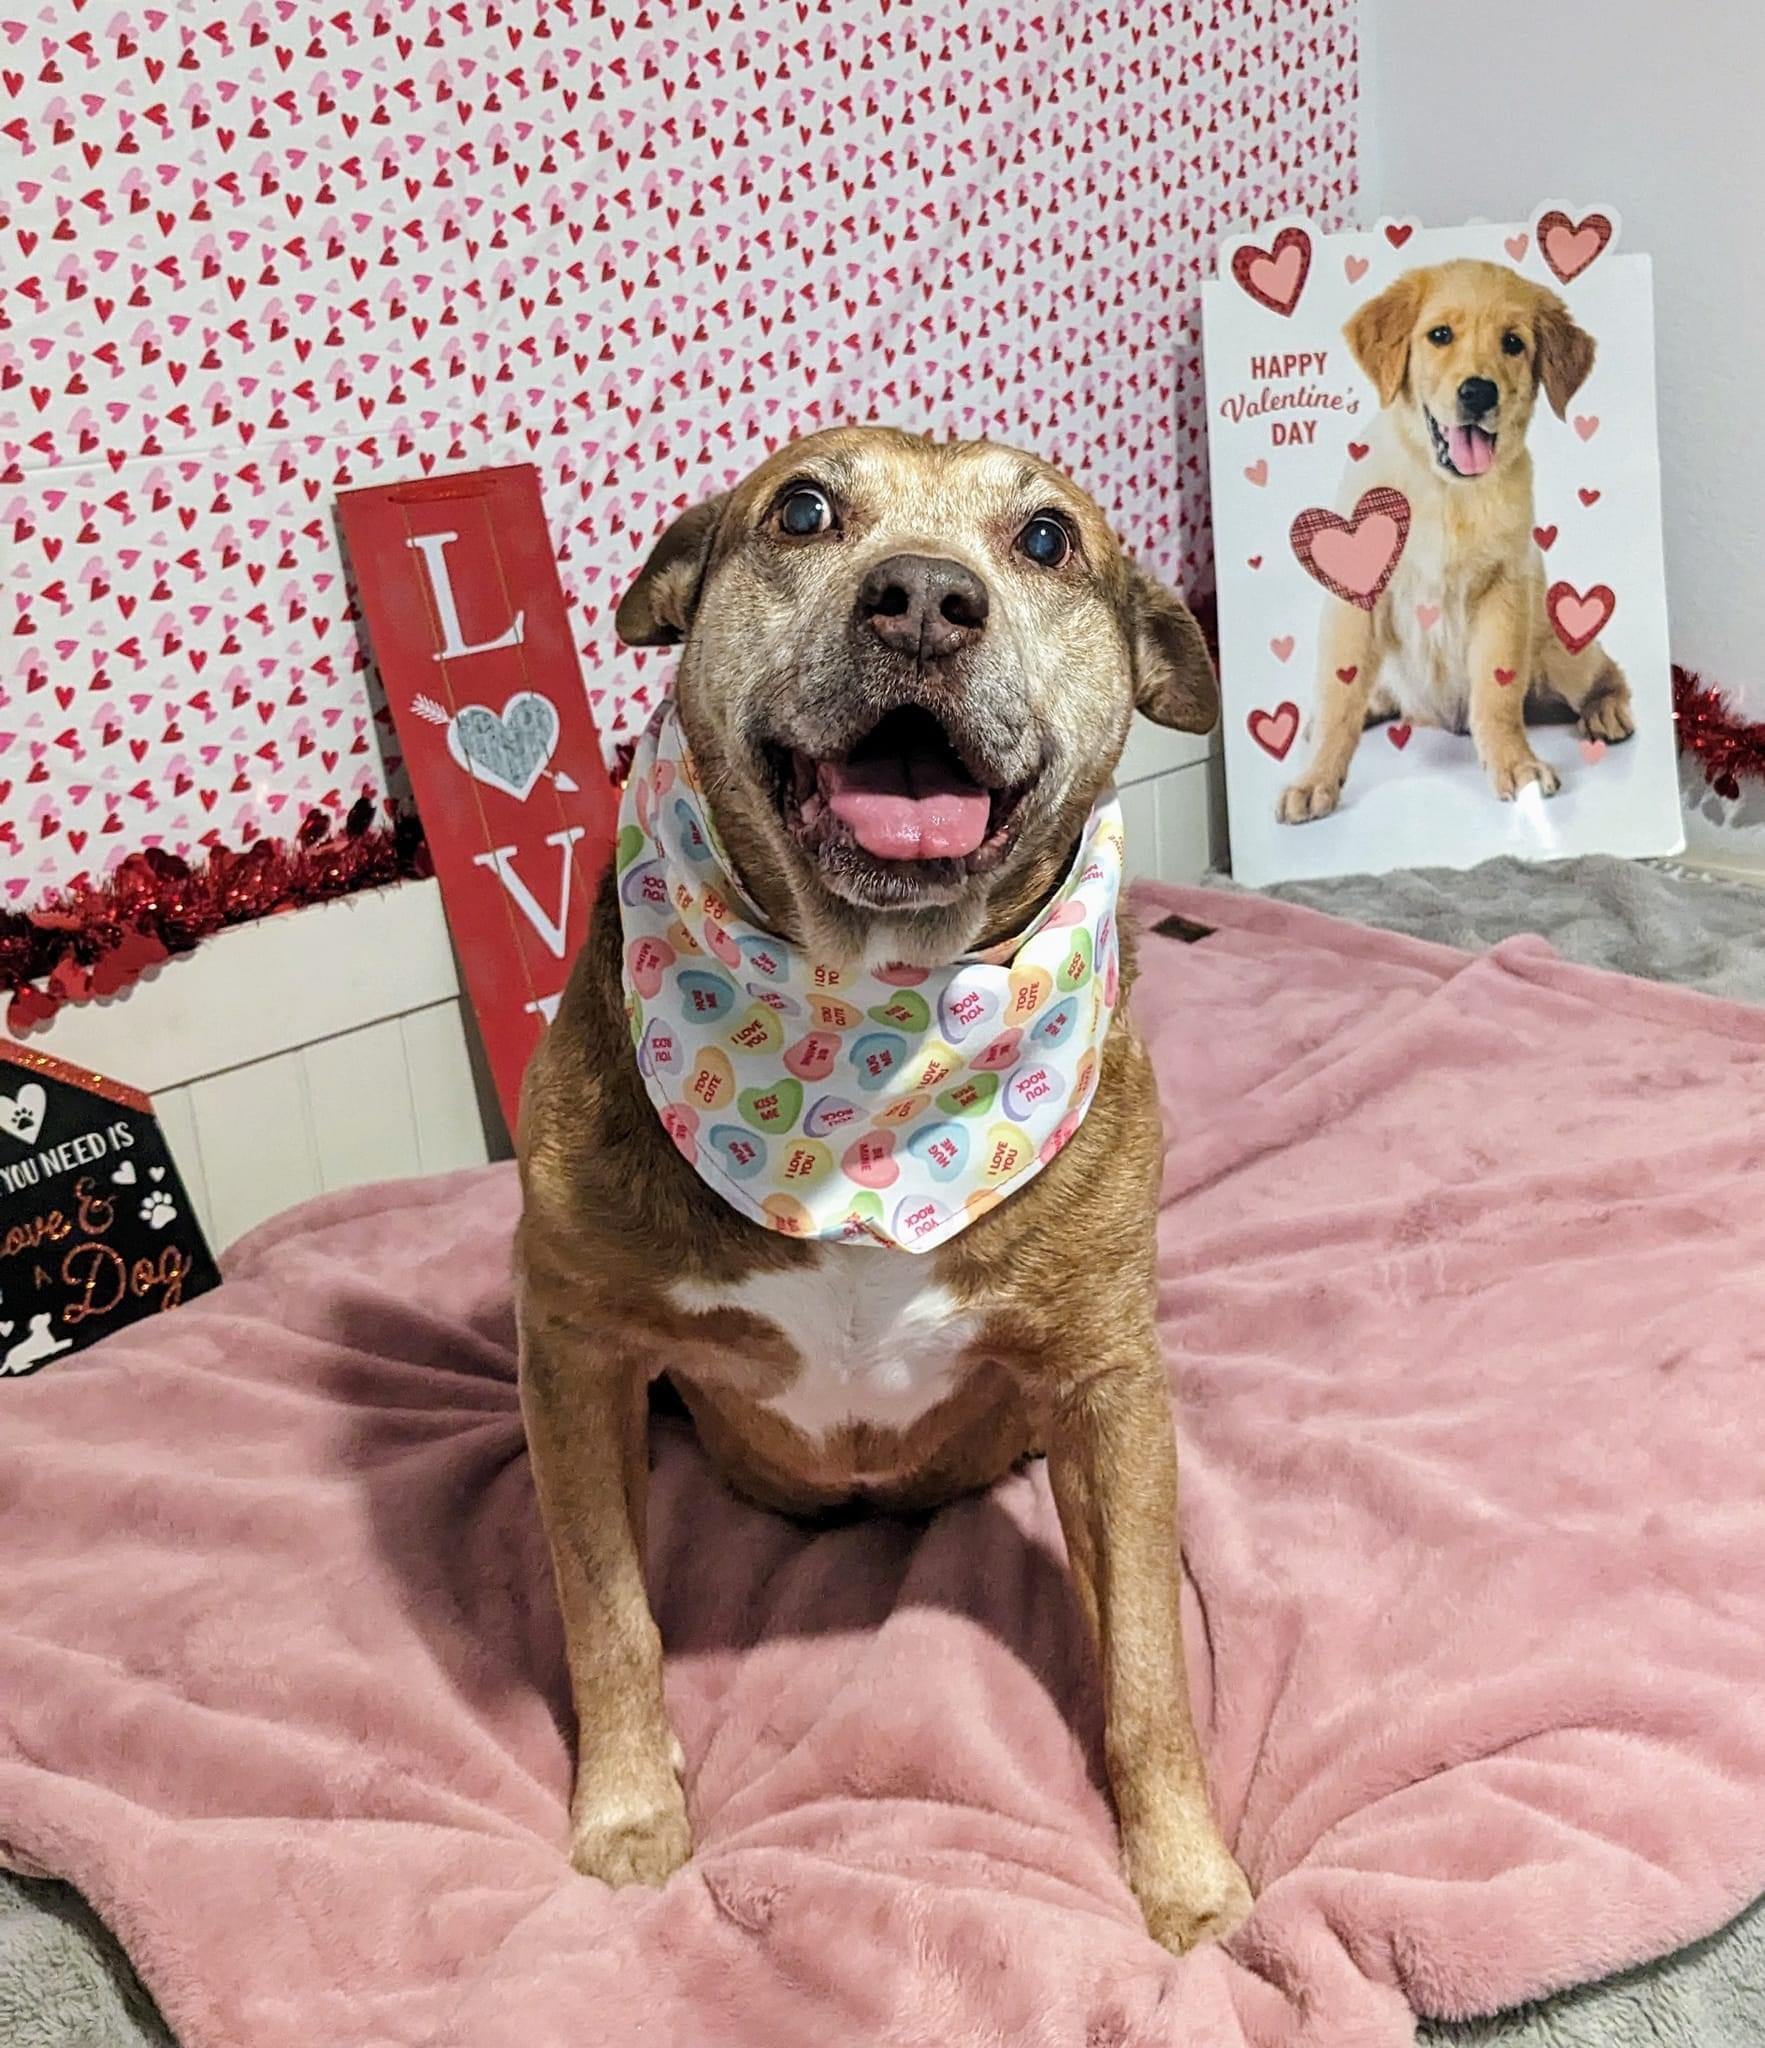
1464	1295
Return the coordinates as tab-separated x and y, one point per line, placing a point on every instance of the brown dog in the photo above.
965	606
1460	637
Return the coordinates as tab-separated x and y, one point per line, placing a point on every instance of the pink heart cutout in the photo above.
1578	616
1354	558
1275	731
1275	277
1569	247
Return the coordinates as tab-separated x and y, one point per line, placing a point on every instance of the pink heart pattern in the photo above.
258	251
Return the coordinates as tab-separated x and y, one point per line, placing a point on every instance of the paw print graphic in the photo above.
158	1209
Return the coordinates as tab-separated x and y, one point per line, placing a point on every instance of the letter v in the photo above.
502	861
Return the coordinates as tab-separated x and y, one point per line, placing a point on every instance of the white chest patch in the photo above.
878	1337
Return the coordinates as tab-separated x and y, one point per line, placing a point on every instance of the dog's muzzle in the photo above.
1466	447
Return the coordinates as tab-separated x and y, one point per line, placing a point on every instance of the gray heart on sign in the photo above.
508	750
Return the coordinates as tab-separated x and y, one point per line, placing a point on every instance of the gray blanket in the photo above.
65	1984
1652	920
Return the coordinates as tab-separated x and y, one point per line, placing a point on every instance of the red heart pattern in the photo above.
258	253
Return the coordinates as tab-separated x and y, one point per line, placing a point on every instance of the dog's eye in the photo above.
805	511
1512	345
1045	541
1440	336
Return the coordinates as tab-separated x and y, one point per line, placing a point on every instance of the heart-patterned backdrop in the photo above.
256	251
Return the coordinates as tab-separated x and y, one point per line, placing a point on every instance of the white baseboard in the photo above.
301	1054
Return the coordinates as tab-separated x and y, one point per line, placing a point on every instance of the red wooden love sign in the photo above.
460	590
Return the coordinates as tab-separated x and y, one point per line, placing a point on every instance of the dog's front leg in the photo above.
1347	670
584	1400
1500	655
1113	1465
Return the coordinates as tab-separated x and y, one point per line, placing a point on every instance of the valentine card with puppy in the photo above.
1436	488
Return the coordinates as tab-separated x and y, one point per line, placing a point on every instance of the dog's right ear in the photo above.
1379	334
658	608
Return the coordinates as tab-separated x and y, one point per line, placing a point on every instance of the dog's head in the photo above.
1463	350
908	670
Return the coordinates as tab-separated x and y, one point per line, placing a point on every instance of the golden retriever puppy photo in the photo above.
1459	354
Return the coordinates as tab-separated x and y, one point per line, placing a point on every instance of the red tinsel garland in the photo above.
1729	749
96	938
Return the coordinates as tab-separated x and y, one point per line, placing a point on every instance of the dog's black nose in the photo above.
1478	395
923	605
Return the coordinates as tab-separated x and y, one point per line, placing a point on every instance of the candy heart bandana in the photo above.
888	1106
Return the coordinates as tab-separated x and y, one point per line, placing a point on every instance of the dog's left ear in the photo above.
1173	676
1565	353
658	608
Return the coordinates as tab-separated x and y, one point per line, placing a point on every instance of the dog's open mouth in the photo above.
1465	450
903	793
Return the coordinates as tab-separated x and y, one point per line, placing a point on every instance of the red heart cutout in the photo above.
1570	246
1275	731
1588	497
1579	616
1275	277
1398	735
1505	676
1347	675
1399	231
1359	450
1545	536
1354	558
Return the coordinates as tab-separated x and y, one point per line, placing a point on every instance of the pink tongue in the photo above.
907	809
1471	449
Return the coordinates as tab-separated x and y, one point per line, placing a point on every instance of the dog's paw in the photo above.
1313	796
1510	777
1204	1897
1608	717
625	1843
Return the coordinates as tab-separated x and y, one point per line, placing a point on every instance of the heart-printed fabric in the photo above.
882	1107
217	325
509	750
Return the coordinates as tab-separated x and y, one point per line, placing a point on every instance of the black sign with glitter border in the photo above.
96	1229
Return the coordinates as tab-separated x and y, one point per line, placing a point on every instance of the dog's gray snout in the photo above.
1478	395
923	605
